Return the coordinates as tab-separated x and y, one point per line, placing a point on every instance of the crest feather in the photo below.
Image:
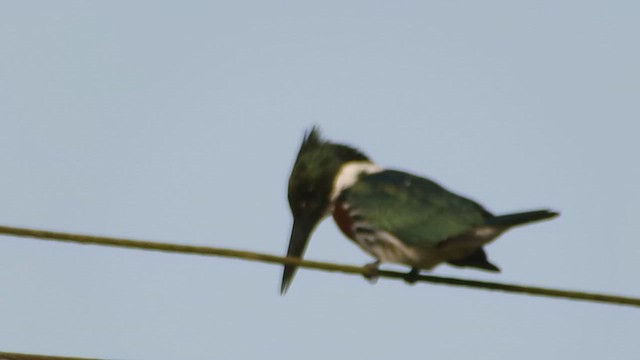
313	140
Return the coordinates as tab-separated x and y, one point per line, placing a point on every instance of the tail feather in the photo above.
522	218
477	259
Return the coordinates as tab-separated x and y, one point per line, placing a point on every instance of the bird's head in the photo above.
311	186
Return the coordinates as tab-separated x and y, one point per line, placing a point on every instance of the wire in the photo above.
347	269
17	356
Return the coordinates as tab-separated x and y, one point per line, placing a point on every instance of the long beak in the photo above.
300	234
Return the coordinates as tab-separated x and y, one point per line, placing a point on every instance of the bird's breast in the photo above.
343	219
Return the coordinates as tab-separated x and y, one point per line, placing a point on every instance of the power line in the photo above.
347	269
17	356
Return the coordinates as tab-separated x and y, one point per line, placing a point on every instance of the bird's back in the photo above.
416	210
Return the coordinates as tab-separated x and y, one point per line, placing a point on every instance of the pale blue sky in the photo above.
179	122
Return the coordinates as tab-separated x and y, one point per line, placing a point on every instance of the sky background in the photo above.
180	121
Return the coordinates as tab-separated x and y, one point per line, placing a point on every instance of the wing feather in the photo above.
416	210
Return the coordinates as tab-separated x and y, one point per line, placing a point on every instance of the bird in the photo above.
394	216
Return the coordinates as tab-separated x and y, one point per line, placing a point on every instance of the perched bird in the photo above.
394	216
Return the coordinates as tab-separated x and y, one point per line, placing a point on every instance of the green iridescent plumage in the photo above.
416	210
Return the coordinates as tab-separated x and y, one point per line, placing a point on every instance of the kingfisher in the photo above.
394	216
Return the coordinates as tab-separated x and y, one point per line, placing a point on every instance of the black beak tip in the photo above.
300	233
287	276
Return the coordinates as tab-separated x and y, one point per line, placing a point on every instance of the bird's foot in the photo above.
412	276
372	273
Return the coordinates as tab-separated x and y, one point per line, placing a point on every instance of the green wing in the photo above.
415	210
